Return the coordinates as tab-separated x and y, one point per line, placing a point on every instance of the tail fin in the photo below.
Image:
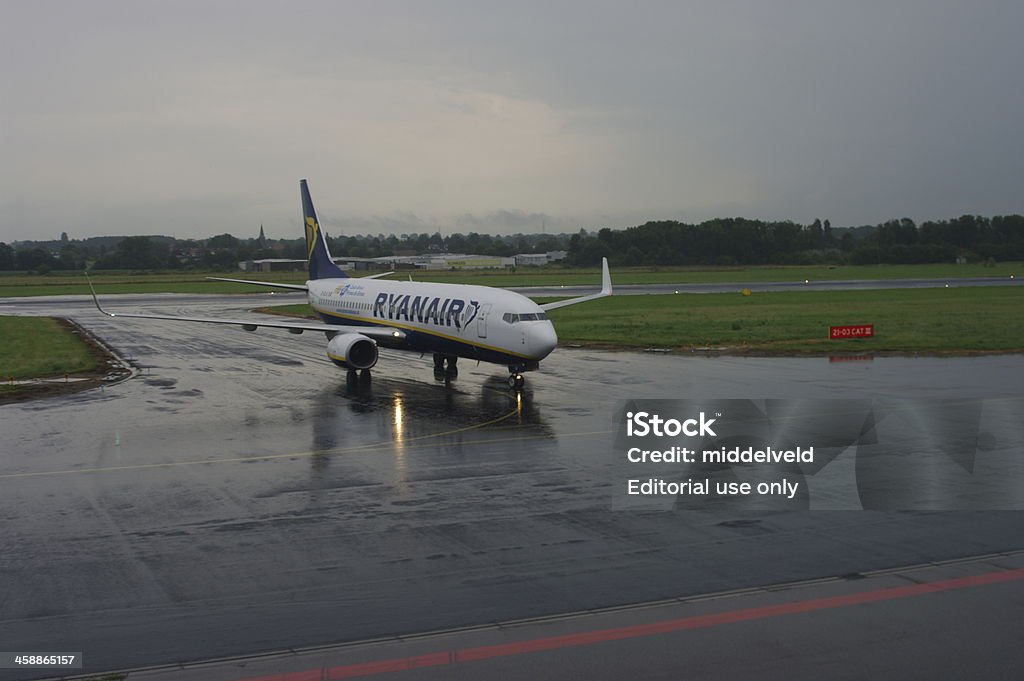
320	264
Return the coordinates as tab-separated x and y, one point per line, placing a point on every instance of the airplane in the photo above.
450	321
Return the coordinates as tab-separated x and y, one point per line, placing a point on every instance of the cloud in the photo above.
122	117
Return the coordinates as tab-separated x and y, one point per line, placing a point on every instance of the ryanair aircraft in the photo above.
447	320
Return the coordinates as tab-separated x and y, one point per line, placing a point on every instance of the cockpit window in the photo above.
512	317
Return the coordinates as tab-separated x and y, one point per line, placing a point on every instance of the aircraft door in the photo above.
481	322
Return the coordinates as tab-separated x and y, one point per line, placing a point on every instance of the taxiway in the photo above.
240	496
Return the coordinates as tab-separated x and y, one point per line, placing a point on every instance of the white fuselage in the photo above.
475	322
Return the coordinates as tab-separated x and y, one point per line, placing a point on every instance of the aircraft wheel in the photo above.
438	360
516	381
365	376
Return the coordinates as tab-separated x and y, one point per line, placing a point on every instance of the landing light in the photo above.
396	334
807	281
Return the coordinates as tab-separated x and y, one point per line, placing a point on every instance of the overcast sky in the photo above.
192	119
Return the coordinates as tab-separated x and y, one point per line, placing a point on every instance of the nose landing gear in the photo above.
515	374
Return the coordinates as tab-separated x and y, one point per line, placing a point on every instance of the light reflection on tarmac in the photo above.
240	495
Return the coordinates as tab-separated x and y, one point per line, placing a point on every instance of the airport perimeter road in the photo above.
239	496
82	302
893	625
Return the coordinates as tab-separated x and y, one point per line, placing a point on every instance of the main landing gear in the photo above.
358	378
445	366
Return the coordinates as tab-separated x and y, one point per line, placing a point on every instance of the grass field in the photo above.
35	347
191	282
160	282
954	320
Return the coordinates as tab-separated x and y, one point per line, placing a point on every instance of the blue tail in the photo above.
320	264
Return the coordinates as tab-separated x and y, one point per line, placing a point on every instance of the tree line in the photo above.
225	251
718	242
739	241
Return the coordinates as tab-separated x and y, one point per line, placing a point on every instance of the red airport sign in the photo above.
852	331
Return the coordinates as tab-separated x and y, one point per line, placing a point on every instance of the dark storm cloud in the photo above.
133	118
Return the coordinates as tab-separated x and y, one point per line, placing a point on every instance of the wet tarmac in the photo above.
842	628
240	495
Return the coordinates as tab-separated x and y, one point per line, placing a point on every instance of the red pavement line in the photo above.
364	669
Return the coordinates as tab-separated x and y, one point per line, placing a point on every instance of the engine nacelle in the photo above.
352	351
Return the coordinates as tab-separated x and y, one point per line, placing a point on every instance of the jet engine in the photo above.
352	351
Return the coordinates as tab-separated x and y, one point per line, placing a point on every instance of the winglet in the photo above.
94	298
606	290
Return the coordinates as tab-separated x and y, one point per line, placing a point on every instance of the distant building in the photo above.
444	261
526	259
295	265
432	261
478	262
272	265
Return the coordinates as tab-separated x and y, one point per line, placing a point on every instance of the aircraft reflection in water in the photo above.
396	432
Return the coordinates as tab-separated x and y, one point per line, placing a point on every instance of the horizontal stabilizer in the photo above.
295	287
378	275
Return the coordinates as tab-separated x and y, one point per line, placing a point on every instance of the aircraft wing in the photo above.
606	290
252	324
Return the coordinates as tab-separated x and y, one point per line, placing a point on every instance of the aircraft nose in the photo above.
542	340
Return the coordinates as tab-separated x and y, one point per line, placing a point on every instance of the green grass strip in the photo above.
36	347
935	321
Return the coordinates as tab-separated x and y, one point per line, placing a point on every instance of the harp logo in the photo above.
311	231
